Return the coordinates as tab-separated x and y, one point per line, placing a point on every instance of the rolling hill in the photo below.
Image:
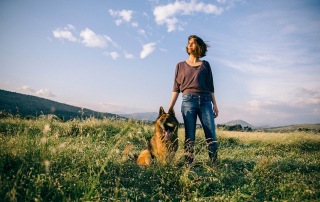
149	116
28	105
240	122
291	128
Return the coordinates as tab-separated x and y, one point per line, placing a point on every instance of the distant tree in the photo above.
247	129
221	126
309	130
199	126
236	127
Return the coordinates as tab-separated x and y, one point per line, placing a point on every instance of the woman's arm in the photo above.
173	99
215	107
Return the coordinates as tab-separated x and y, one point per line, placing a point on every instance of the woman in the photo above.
193	78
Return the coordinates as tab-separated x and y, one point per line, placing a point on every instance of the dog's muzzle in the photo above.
166	134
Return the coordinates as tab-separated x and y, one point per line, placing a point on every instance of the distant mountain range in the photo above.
28	105
267	128
150	116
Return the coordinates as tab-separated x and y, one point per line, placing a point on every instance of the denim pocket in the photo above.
208	98
186	97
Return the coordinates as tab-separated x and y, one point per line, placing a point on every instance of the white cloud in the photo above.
26	88
297	110
305	101
49	39
118	22
91	39
272	62
111	41
113	13
147	49
127	55
163	49
135	24
303	91
124	15
253	67
166	14
273	112
180	28
45	92
286	109
63	34
143	33
145	14
114	55
71	26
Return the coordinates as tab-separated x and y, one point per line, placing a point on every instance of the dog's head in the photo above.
167	122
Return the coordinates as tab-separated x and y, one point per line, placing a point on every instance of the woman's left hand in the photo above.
215	111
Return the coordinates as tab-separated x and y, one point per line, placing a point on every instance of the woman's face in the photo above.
191	45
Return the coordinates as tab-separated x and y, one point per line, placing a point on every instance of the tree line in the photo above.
236	127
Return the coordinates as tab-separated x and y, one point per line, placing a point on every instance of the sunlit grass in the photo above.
270	137
47	160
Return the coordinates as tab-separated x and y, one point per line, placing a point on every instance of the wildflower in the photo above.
62	145
53	150
43	140
46	128
47	164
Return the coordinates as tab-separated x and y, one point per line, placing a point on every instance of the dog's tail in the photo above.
127	153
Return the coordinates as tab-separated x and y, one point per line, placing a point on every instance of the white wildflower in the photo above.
46	128
53	150
47	165
43	140
62	145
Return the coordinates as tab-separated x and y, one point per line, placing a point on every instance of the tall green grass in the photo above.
47	160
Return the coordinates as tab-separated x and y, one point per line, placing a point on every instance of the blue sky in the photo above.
120	56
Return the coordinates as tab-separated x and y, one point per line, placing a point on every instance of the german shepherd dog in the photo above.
164	143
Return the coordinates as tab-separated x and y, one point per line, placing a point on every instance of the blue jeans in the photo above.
193	106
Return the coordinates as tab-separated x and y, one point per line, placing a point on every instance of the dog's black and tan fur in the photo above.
164	143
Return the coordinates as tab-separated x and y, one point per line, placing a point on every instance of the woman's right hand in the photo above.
173	99
215	111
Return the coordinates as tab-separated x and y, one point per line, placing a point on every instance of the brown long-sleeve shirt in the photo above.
193	80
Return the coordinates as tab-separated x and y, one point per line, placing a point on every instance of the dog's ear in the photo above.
161	111
171	112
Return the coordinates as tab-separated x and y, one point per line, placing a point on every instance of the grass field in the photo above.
291	128
47	160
